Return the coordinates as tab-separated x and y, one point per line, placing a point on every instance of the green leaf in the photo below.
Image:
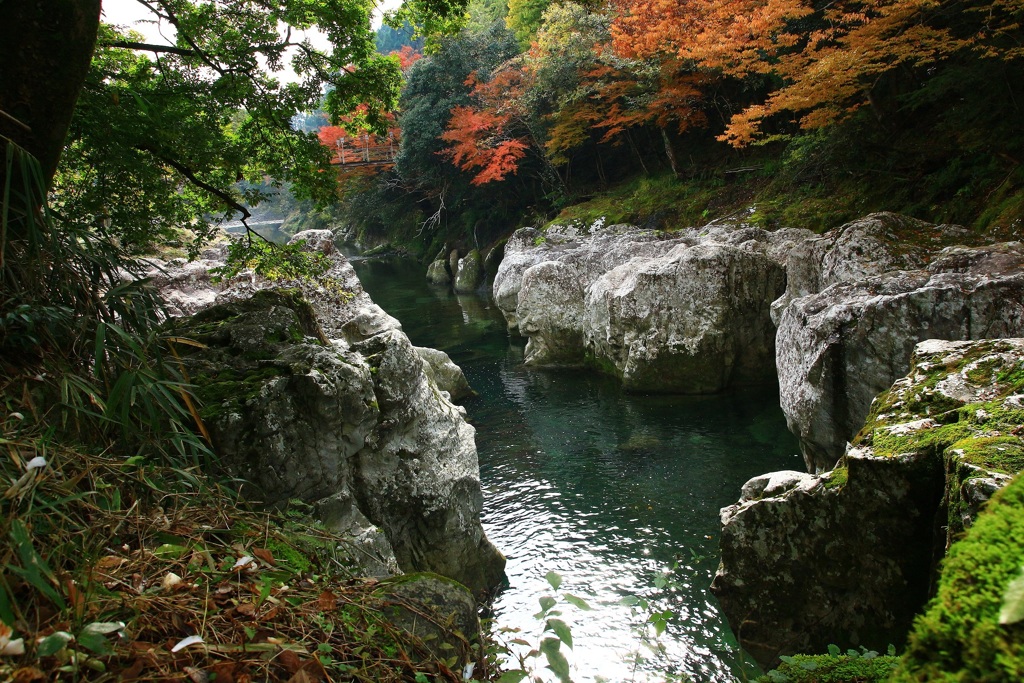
53	643
558	664
513	676
95	642
834	650
546	603
580	602
554	579
561	630
787	659
1013	601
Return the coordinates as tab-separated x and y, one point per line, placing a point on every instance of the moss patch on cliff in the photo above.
921	416
852	667
959	637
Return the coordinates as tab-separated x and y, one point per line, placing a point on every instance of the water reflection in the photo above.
605	488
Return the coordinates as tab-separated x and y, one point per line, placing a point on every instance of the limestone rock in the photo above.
696	320
453	261
848	556
683	312
591	251
445	374
437	273
550	314
336	409
839	348
315	240
469	273
871	246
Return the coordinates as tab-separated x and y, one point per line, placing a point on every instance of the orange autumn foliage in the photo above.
407	56
828	58
481	137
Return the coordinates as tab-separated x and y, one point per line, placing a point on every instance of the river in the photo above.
617	493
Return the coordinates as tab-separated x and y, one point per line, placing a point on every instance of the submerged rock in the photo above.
316	393
848	556
839	348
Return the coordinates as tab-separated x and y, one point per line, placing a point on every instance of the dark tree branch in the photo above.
153	48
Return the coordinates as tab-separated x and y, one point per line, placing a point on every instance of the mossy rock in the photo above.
959	637
439	611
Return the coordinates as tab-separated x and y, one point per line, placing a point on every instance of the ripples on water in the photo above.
605	488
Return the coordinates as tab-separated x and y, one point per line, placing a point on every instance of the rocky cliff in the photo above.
863	296
848	556
311	391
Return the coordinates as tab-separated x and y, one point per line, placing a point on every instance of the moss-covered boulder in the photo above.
962	404
970	631
437	273
848	556
468	273
441	613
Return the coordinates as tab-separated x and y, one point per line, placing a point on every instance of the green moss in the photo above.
853	667
230	390
959	637
998	453
837	478
602	364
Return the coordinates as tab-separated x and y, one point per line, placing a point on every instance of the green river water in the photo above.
607	489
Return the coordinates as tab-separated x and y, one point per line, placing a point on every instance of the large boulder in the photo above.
839	348
315	393
686	311
848	556
696	320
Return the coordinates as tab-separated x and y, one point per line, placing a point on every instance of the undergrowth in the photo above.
124	569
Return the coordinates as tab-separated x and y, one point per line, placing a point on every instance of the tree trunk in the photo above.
45	50
670	153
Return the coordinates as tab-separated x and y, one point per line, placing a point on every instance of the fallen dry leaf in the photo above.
246	609
265	555
327	602
28	674
290	661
